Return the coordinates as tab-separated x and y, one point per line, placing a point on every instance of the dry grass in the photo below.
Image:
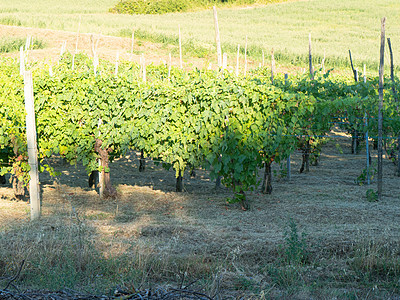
151	235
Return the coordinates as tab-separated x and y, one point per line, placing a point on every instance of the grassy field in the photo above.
336	27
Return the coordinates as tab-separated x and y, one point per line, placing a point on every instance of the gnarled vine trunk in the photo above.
109	191
305	164
142	162
267	186
179	182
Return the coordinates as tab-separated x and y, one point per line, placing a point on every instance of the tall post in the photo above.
76	44
380	117
224	61
34	191
21	61
288	164
366	134
143	69
245	57
395	99
169	66
180	48
116	64
352	68
217	38
263	58
133	40
272	66
237	61
310	57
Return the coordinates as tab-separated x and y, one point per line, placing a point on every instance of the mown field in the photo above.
336	27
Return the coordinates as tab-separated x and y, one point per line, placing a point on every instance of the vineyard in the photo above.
251	139
231	126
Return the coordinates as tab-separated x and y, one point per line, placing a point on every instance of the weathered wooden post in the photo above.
310	58
380	116
217	38
34	191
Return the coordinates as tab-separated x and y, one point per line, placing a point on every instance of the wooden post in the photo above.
101	173
169	66
237	61
392	70
133	40
180	48
28	42
288	165
323	64
21	61
352	68
116	64
366	135
63	48
263	58
272	66
76	44
310	57
395	99
143	69
95	62
34	191
217	38
365	74
245	57
380	117
224	61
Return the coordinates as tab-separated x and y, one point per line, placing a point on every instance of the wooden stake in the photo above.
63	48
263	58
272	66
116	64
392	70
143	69
169	66
352	68
323	63
380	117
310	57
95	62
34	191
21	61
101	173
237	61
180	48
245	57
365	74
133	40
288	164
28	42
77	35
217	38
395	99
224	61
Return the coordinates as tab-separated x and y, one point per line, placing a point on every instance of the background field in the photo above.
336	27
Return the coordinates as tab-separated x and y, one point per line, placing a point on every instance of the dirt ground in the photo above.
325	203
